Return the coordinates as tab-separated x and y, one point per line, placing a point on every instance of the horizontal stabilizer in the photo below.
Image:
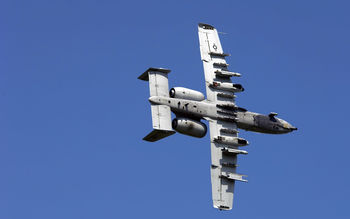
157	134
161	114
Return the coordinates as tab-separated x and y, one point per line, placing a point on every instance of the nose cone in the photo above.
293	128
287	126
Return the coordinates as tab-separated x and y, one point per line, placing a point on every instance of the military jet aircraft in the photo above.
219	108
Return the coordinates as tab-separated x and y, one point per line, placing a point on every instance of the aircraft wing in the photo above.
223	156
214	63
223	164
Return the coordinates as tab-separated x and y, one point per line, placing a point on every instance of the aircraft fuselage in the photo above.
244	119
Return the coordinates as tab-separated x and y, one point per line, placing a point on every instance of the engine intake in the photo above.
189	127
185	93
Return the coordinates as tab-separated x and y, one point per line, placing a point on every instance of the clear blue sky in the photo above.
73	113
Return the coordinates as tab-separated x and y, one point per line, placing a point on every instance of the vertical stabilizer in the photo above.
158	81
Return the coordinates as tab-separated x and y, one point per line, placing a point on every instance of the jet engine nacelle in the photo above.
189	127
185	93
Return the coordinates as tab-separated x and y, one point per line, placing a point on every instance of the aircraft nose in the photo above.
288	126
293	128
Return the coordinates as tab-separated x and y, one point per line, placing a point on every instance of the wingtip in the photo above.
222	207
206	26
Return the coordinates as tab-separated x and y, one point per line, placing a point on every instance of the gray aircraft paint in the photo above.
219	109
249	121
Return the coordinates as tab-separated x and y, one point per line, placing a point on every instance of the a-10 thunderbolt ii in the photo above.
219	109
